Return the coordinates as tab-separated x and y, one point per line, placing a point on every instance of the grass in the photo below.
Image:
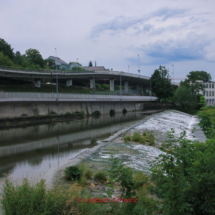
100	176
127	138
138	138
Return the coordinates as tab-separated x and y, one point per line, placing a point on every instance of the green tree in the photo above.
192	80
5	60
6	49
185	100
51	63
70	63
90	64
185	179
18	58
34	57
161	83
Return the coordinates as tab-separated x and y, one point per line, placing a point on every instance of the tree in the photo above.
185	179
161	83
70	63
34	57
90	64
192	80
185	100
6	49
5	60
51	63
199	75
18	58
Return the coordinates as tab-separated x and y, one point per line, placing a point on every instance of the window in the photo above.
206	93
206	85
212	93
203	93
212	85
209	93
209	85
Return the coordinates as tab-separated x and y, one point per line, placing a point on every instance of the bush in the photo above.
127	138
100	176
145	133
88	174
151	139
73	173
33	199
139	179
138	138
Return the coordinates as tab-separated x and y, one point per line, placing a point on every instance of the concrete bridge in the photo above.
68	77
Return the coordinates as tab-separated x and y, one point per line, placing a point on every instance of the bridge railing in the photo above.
20	96
42	70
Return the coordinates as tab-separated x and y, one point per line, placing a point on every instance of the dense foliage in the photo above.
185	179
161	83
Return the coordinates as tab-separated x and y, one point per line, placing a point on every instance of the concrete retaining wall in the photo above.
18	109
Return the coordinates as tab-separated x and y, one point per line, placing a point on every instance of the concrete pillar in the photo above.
69	82
111	84
37	83
92	83
126	86
136	86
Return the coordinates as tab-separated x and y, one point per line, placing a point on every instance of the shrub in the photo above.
138	138
145	133
88	174
139	179
127	138
100	176
151	140
33	199
73	173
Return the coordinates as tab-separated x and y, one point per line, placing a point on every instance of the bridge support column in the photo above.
111	84
92	83
37	83
126	86
137	87
69	82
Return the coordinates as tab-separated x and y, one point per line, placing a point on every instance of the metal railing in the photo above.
19	96
42	70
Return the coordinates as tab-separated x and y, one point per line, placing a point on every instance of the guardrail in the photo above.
19	96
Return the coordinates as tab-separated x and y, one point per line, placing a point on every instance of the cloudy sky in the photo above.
167	32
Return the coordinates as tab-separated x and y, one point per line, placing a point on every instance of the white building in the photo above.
209	93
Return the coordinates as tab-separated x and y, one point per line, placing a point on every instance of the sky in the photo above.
178	34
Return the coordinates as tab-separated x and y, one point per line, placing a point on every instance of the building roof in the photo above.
96	68
58	61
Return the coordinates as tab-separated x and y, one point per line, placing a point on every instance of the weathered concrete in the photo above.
92	83
126	86
37	83
69	82
17	109
111	84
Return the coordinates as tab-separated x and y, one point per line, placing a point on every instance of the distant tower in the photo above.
95	63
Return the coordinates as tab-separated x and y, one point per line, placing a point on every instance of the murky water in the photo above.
36	151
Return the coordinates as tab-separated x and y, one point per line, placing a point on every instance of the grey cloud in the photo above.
122	23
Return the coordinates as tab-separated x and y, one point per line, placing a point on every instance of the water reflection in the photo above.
36	150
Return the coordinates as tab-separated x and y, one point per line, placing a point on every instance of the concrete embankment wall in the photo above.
19	109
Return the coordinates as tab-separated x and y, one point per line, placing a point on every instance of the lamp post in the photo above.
138	63
173	74
56	75
120	88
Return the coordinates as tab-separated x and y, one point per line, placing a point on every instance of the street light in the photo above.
139	63
173	74
56	74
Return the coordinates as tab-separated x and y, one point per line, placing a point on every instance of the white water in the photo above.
142	157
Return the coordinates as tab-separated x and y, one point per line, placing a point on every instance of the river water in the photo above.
37	151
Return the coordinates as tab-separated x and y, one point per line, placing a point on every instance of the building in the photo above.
209	93
60	63
74	64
